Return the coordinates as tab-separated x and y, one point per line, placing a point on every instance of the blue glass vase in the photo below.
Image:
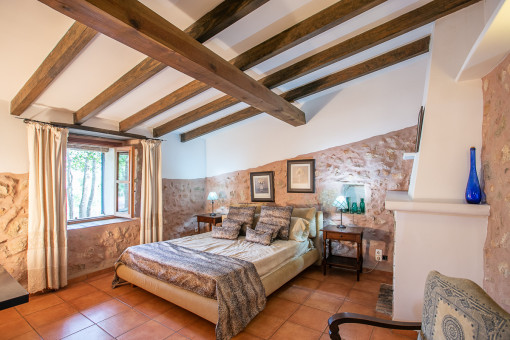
473	192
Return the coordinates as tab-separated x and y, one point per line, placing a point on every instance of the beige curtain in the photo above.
151	214
47	221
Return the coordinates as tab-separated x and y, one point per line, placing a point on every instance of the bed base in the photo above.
205	307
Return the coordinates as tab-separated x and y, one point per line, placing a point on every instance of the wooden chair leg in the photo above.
340	318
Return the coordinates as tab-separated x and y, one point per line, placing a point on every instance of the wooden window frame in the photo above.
117	145
130	151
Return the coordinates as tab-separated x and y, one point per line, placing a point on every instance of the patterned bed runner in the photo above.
233	282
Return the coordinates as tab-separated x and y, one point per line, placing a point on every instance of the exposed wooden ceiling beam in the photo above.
129	81
385	60
220	124
318	23
222	16
306	29
71	44
390	58
391	29
375	36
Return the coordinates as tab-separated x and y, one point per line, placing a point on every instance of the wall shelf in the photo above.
401	201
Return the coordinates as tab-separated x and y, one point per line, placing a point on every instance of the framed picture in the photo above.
262	186
419	128
301	176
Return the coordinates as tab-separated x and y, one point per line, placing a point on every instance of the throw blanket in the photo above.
233	282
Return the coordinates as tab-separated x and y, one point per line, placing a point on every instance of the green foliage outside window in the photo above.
84	183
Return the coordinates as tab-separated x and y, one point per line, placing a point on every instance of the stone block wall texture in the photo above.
182	200
95	248
496	173
14	225
376	162
89	249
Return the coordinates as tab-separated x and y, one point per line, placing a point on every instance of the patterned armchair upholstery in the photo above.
453	309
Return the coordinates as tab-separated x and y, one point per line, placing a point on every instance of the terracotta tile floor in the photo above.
299	310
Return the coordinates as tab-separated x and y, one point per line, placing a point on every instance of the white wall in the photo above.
453	111
385	101
450	244
182	160
13	142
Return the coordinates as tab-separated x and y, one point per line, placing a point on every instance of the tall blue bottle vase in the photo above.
473	192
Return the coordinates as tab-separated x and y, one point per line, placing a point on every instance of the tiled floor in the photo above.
299	310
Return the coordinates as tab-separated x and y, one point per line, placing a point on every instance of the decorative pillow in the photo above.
277	216
309	215
268	228
261	237
256	205
229	233
299	229
256	219
231	223
244	215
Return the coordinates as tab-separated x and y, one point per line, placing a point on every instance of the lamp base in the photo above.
341	226
212	214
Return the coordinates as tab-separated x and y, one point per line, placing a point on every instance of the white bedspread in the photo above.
265	258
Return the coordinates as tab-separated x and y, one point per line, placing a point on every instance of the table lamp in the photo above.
213	196
340	203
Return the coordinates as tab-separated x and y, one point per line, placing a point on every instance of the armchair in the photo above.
453	308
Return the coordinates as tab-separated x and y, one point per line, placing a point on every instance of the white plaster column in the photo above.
443	236
434	228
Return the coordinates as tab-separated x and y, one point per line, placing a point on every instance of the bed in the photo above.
272	275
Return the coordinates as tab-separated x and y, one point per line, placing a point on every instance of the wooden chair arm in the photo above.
340	318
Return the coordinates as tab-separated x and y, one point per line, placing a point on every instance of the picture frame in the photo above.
301	176
419	128
262	186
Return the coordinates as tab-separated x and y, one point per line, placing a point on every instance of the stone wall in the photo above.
14	225
95	248
376	162
182	200
89	249
496	172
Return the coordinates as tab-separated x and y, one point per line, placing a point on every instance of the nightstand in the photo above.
207	218
351	234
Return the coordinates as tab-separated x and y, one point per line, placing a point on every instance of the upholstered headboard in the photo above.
317	240
306	213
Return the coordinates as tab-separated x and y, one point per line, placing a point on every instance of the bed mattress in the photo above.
265	258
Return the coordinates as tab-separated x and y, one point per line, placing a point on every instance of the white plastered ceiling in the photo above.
30	30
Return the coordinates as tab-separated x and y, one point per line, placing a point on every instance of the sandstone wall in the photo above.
94	248
496	172
14	225
182	200
376	162
89	249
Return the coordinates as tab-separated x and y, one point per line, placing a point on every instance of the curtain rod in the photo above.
91	129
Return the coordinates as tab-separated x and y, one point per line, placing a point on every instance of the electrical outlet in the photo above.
378	255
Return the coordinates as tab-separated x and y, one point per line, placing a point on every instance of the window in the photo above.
85	182
99	180
123	185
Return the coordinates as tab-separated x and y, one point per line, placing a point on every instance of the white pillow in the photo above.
299	229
